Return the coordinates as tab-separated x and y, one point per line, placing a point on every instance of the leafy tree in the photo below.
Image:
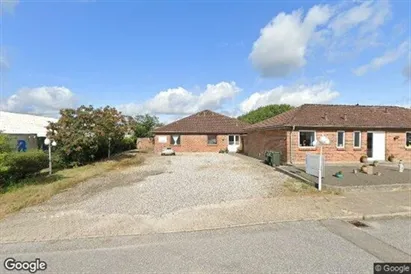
5	143
83	134
145	124
264	113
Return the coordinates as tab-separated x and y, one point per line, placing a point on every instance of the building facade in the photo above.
354	131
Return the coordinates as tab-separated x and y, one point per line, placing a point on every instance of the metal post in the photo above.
50	159
320	169
109	143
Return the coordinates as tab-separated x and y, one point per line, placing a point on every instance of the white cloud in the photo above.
350	18
388	57
293	95
41	100
181	101
8	6
335	31
282	45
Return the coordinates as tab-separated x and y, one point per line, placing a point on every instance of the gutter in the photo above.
291	144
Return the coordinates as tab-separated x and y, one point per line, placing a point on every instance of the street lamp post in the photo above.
322	141
48	142
109	147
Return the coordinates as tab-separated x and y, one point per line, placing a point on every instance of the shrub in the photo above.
127	144
364	159
5	144
18	165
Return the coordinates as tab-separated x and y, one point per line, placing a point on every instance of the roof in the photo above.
205	121
340	116
19	123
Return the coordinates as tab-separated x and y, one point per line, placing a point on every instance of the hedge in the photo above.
19	165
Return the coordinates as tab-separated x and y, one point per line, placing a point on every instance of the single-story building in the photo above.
205	131
25	130
354	131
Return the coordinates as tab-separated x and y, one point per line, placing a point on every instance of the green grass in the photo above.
35	190
295	187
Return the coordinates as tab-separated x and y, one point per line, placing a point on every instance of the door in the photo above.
233	143
376	145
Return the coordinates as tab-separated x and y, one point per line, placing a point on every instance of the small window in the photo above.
340	139
175	140
357	139
212	139
306	138
408	139
237	139
231	139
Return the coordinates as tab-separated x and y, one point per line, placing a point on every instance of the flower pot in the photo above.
364	159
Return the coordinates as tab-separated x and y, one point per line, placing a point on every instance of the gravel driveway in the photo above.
160	195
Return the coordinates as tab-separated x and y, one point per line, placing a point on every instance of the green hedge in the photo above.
15	166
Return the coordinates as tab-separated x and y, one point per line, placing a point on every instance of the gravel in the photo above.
184	181
164	194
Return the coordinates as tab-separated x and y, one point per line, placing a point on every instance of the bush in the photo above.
127	144
5	144
19	165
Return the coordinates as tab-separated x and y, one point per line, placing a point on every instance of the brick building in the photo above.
205	131
354	131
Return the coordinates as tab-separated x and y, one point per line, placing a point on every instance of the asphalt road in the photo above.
304	247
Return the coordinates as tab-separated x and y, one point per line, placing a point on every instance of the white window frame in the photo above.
172	139
407	132
343	145
353	139
299	143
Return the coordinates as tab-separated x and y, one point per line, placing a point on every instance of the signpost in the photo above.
320	142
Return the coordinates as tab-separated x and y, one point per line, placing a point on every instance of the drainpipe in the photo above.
291	145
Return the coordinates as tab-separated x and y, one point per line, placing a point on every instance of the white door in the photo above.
233	143
378	146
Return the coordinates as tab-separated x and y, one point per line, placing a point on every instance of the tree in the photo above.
83	134
145	124
5	143
264	113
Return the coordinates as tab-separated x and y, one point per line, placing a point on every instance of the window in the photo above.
237	140
357	139
212	139
231	139
340	139
175	140
408	139
306	138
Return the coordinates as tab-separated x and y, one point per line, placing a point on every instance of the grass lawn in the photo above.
38	189
295	187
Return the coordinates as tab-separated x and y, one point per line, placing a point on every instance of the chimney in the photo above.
325	116
345	117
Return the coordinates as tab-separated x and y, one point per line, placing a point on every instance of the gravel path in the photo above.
141	196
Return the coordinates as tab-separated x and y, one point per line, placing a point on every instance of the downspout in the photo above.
291	145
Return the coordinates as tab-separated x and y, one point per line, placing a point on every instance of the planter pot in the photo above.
364	160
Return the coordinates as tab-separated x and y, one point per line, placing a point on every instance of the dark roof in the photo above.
205	121
342	116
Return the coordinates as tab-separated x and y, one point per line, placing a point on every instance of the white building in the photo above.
31	129
19	123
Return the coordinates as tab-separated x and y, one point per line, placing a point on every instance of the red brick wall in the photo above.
331	152
145	144
193	143
257	142
396	146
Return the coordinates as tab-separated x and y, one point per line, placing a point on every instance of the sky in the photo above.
174	58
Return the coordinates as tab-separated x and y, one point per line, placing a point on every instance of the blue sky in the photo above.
173	58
